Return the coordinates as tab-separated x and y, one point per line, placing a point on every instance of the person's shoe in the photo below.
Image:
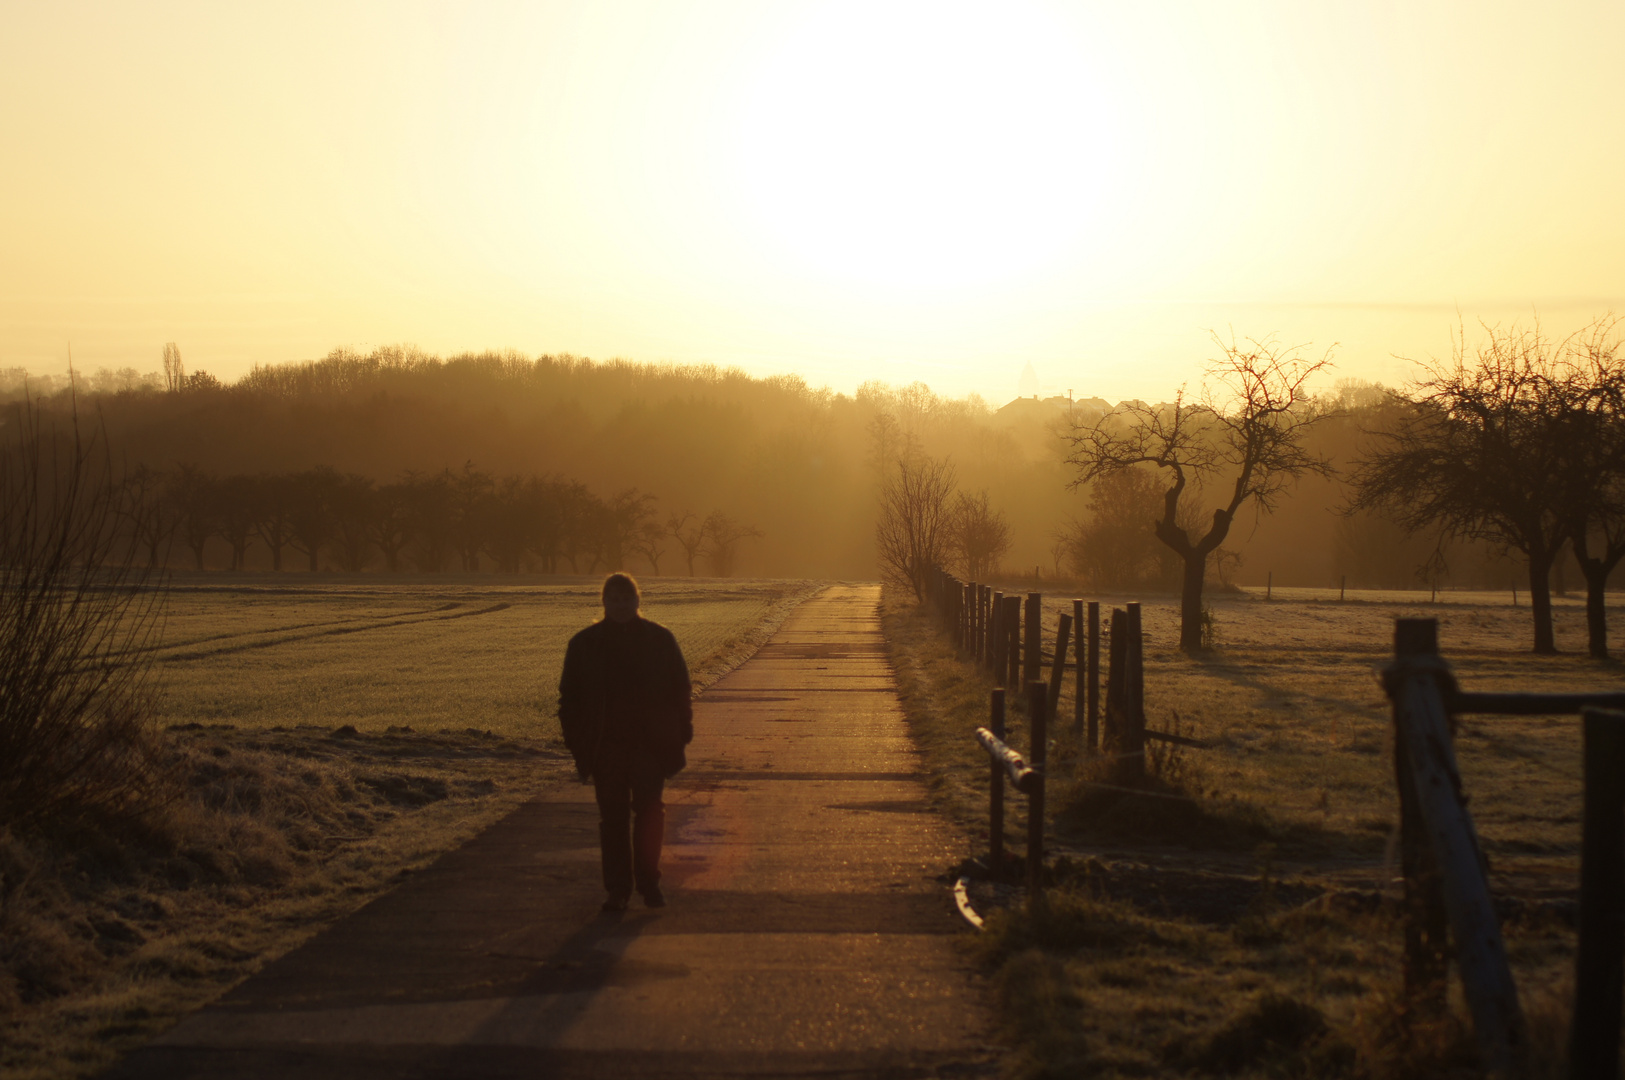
653	897
614	904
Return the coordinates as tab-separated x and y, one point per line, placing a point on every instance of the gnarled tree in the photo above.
1250	430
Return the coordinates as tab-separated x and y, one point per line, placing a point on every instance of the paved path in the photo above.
806	933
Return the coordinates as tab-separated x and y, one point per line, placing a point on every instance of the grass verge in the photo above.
114	927
1192	932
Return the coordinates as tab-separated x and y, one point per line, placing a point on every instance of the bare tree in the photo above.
1482	453
723	535
978	536
689	534
273	523
431	512
912	533
1593	445
1250	430
174	370
1116	548
620	523
470	490
352	505
191	493
389	527
311	518
650	542
145	509
236	510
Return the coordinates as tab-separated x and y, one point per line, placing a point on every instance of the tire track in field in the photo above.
190	642
335	631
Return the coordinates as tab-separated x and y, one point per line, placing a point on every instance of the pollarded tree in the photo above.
1484	452
1250	429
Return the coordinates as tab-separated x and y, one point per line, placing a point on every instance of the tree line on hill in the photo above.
803	466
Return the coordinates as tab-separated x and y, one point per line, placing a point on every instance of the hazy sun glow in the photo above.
895	189
926	144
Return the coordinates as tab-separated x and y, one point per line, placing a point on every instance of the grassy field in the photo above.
260	651
1250	930
321	738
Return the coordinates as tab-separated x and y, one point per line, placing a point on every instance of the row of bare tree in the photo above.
451	520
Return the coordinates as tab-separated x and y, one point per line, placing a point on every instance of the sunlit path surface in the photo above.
806	933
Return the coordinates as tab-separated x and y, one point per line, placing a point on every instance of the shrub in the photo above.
78	617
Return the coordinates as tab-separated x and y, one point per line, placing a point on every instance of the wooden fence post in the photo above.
972	616
1093	691
1032	668
983	603
1036	695
1079	699
1131	731
1063	638
1486	978
1599	975
1111	735
995	809
1012	622
1426	922
998	639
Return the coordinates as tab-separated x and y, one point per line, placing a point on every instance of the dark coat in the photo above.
662	720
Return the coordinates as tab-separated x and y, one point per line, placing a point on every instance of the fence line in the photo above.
1446	892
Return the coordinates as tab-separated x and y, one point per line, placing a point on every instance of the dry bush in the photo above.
76	616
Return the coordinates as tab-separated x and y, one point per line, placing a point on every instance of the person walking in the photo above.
624	705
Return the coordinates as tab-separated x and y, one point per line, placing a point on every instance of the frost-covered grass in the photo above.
270	650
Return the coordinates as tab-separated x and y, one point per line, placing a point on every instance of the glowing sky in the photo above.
898	190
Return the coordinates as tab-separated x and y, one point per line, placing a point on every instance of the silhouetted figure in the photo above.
625	710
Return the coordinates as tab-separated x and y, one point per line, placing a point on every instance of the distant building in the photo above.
1028	385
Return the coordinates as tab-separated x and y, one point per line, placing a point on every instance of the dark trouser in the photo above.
631	821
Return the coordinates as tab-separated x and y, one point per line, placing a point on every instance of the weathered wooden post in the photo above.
1342	586
985	647
995	809
1131	732
1012	621
1036	695
1269	584
1079	705
972	614
1032	668
962	614
1000	638
1426	923
1092	693
1111	735
1063	638
1424	734
1599	975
